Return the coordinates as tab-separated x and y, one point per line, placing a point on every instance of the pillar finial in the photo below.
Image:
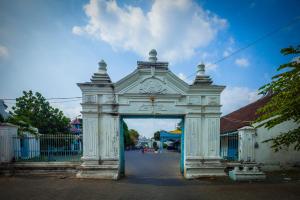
152	55
102	67
201	70
101	77
201	78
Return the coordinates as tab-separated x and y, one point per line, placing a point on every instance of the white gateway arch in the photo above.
152	90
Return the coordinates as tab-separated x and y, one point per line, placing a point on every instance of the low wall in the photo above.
40	168
7	132
286	158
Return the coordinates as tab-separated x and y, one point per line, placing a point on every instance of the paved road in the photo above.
151	166
149	176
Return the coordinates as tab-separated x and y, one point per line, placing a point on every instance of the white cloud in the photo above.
77	30
242	62
210	66
70	109
3	51
205	55
230	43
176	28
227	52
184	78
233	98
231	40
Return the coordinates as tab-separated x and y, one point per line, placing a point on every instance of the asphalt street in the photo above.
148	176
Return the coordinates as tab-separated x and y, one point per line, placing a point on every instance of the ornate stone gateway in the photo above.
151	90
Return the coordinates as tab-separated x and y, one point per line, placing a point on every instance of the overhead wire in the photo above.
293	21
12	102
52	98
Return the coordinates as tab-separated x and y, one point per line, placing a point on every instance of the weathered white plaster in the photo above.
266	156
7	133
152	89
253	148
246	172
91	139
246	143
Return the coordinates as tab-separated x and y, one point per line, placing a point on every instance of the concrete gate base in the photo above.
198	168
195	168
108	169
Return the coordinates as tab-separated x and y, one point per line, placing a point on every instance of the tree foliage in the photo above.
157	136
33	110
285	102
130	136
1	119
134	136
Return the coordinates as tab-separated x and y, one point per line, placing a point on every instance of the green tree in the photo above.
32	110
134	136
130	136
126	135
1	119
157	135
285	102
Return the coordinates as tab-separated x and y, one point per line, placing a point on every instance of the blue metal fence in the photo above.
47	148
229	146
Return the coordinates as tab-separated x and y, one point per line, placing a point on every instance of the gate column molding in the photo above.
91	139
151	90
100	127
202	130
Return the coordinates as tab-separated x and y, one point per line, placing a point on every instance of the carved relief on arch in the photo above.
157	107
153	86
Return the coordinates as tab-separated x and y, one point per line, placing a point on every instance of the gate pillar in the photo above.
202	130
202	145
100	128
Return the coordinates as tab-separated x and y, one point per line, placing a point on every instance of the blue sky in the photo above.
50	45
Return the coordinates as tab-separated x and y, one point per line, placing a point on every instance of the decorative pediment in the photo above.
153	85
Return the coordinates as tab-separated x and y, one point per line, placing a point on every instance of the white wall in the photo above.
10	144
275	160
7	132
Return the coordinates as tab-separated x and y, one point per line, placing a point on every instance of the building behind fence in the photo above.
48	148
38	148
244	140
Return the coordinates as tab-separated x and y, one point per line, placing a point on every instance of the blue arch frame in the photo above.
122	148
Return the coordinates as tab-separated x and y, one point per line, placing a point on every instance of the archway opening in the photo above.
151	146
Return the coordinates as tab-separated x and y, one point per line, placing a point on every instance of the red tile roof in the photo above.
243	116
